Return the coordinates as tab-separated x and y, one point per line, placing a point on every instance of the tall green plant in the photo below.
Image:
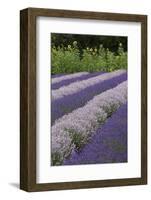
70	60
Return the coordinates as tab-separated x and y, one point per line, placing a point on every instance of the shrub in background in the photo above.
70	60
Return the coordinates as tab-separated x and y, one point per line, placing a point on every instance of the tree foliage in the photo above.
92	41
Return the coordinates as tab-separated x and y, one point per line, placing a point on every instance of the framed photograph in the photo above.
83	99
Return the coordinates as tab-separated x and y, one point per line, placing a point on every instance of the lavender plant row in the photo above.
74	130
68	103
81	85
108	145
66	82
68	77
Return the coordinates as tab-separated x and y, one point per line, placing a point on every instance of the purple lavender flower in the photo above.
81	85
108	145
74	129
68	77
65	82
67	104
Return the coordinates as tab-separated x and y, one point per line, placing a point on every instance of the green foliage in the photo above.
78	139
56	159
70	60
65	59
92	41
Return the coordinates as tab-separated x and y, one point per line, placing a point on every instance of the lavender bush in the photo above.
66	82
81	85
75	129
68	103
68	77
108	145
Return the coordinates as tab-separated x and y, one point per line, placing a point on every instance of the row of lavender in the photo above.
107	145
80	107
75	95
61	81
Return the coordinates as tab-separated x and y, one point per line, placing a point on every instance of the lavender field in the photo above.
89	118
